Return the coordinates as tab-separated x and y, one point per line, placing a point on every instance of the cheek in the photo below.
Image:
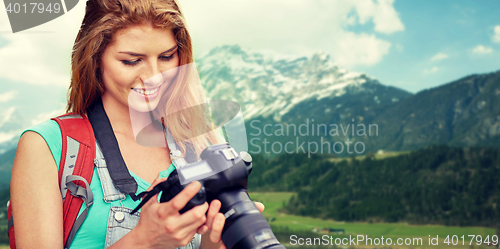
169	74
115	78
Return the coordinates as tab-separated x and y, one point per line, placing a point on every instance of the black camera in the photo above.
223	174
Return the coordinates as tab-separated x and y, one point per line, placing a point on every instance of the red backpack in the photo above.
75	173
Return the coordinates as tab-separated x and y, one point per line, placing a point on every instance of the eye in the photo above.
131	63
167	58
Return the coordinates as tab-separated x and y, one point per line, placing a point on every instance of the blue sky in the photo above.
412	45
449	28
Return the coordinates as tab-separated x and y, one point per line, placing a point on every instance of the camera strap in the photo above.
148	194
106	139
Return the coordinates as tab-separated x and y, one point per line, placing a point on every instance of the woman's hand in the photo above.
162	226
215	224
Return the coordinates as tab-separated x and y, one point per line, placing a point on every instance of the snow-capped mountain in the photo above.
11	126
278	90
267	83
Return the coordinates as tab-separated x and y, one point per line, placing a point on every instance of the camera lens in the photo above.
276	247
245	227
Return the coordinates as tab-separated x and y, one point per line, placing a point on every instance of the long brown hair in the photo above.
103	18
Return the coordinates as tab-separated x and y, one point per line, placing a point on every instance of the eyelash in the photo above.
131	63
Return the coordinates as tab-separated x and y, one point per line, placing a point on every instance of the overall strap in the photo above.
75	170
175	153
111	193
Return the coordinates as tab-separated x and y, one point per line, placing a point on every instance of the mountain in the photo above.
288	92
269	84
465	112
11	124
6	162
312	105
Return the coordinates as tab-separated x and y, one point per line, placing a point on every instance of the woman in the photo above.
125	51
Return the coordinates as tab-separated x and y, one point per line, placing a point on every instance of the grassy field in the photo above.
274	202
303	226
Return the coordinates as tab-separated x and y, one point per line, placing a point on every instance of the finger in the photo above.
196	214
202	230
218	225
212	211
192	220
181	199
260	206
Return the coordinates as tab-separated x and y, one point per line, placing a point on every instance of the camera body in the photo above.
221	169
223	174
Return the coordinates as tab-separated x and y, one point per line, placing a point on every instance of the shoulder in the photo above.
48	129
34	164
47	132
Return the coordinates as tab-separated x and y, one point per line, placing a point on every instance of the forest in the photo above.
435	185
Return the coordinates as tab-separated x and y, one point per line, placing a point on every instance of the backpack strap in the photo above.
75	170
10	226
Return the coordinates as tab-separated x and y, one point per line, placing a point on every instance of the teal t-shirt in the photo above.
92	233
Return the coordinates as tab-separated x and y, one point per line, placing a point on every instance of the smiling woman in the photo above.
128	61
134	64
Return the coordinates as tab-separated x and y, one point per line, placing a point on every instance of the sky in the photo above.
413	45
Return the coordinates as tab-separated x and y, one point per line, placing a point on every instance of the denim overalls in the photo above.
120	222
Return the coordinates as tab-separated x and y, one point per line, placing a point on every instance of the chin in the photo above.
142	105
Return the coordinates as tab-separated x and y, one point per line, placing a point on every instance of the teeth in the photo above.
145	92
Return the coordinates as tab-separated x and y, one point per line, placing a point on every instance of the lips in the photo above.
148	93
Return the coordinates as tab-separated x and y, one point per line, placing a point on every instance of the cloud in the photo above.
7	114
383	14
439	56
7	136
295	27
40	55
496	34
480	49
42	117
7	96
360	49
10	127
432	70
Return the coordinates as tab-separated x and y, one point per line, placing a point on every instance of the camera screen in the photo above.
195	170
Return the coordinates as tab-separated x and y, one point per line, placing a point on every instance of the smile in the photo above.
146	92
149	94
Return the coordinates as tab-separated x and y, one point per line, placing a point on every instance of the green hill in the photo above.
435	185
6	162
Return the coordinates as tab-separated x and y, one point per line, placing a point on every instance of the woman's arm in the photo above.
35	195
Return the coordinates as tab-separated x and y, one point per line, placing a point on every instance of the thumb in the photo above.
260	206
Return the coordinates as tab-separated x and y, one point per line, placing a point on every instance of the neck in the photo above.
124	120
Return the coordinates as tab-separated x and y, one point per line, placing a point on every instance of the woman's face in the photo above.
138	66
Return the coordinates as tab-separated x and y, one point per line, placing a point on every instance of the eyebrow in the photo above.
137	54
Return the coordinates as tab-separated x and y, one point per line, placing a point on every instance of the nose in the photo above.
154	80
151	76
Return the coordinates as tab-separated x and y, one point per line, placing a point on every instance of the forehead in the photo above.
143	39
